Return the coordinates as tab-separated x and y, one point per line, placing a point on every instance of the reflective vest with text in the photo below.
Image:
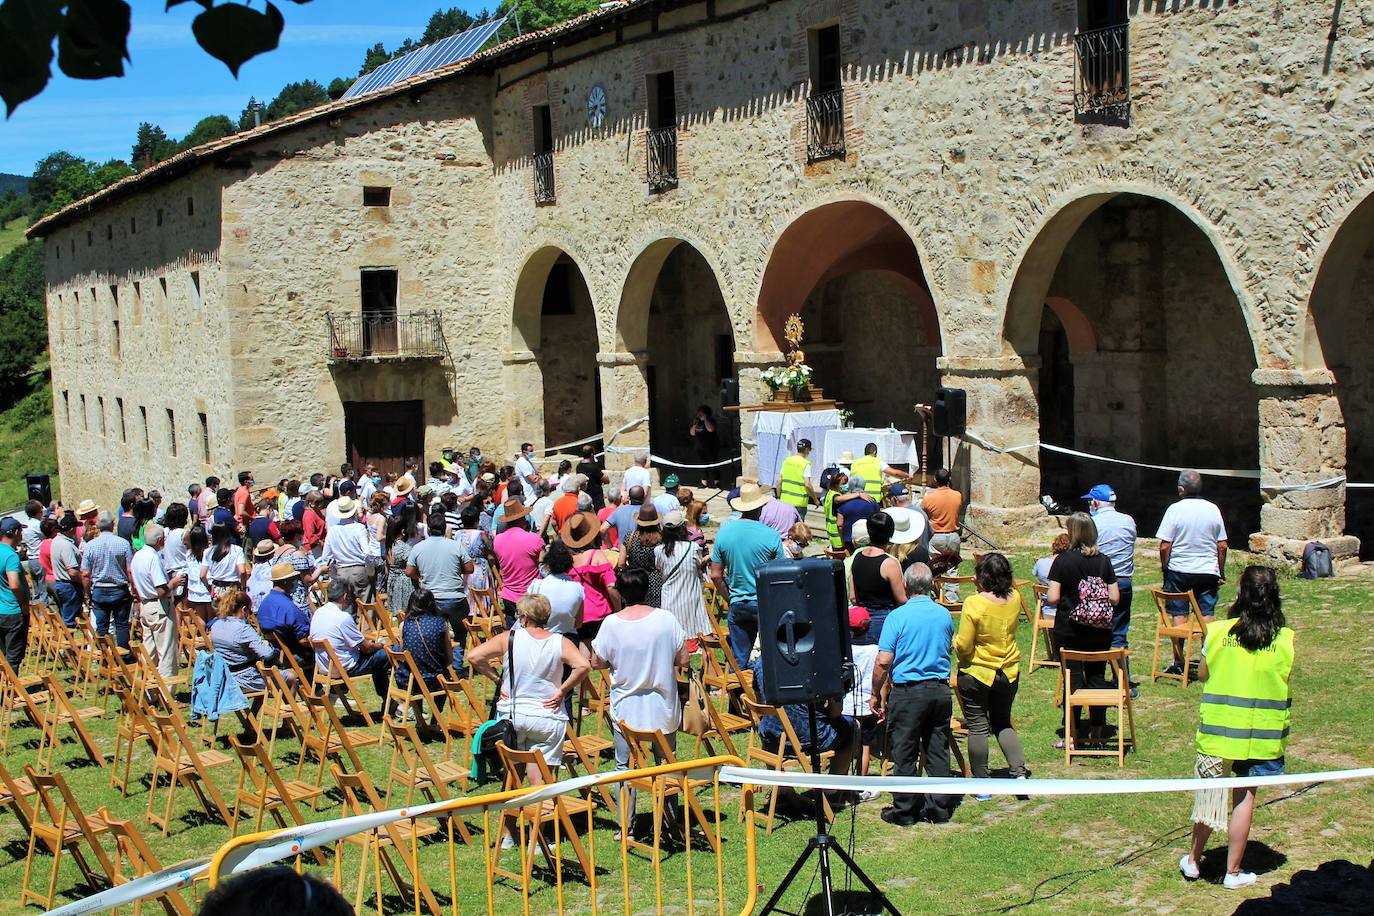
792	482
1245	703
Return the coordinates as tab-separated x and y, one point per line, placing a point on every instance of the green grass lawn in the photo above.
27	445
1114	854
12	235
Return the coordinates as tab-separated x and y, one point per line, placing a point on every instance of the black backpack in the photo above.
1316	561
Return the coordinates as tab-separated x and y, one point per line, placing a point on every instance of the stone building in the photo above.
1138	228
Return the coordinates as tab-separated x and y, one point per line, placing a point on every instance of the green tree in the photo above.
151	146
445	23
110	172
44	183
540	14
296	97
373	58
23	321
207	129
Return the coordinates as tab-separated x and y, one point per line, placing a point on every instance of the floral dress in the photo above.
399	586
475	542
640	555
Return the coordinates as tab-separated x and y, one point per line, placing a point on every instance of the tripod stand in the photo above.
822	844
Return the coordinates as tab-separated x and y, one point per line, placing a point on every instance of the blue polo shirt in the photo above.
919	635
279	614
742	547
9	563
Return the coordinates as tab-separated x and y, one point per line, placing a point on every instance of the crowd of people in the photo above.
590	574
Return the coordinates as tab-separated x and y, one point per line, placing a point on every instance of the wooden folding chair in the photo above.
262	790
59	710
938	592
647	749
317	593
1194	629
482	602
1117	697
1041	626
413	695
569	812
133	848
788	754
184	765
329	741
586	751
334	677
132	727
721	724
958	728
15	794
375	621
413	768
360	797
62	827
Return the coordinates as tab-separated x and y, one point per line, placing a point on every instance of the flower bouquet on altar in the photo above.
794	379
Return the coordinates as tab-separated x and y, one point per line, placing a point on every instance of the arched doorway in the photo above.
555	323
1340	314
674	313
1144	355
872	334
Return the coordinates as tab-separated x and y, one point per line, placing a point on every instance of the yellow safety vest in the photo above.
871	470
1245	704
832	521
792	482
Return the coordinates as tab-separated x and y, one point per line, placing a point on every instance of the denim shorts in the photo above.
1257	767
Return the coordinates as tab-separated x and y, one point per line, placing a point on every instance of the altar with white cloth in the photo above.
895	446
777	433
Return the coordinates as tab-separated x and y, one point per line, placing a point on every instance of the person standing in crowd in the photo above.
525	472
637	475
225	566
517	552
637	552
243	499
314	525
623	518
541	513
157	618
875	580
348	550
402	534
334	623
706	445
48	529
679	571
125	525
566	503
263	525
597	478
31	538
593	569
796	480
564	593
477	544
279	615
899	497
1245	715
667	501
860	507
198	598
778	515
740	550
942	505
223	513
143	516
174	550
66	569
858	702
1192	553
1116	538
990	665
911	693
1083	590
105	577
441	566
194	501
14	596
86	513
833	483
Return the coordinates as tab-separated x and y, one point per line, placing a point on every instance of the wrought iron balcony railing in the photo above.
544	192
1102	74
660	147
386	336
825	125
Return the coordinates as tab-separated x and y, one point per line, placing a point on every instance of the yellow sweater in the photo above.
986	641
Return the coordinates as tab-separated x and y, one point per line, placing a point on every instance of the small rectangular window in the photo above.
376	197
159	216
85	422
825	59
543	129
90	238
114	339
190	206
109	232
147	433
662	100
133	225
67	406
100	406
172	432
123	430
138	302
195	289
204	437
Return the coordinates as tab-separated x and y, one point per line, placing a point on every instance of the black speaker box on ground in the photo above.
951	412
804	631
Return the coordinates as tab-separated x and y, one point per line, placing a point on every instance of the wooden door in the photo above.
385	433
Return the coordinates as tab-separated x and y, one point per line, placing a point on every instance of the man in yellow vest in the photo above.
794	480
871	468
1246	662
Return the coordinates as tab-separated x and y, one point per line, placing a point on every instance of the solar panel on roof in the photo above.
425	58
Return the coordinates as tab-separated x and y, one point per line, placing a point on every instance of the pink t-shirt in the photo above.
518	552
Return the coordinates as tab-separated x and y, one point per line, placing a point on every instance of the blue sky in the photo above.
171	82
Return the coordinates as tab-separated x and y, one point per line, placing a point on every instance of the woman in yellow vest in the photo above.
1244	717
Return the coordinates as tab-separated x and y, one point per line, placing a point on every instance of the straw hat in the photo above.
647	517
87	507
580	530
264	549
346	507
283	572
908	526
751	496
846	457
513	510
404	486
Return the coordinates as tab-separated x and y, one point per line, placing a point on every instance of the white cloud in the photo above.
161	35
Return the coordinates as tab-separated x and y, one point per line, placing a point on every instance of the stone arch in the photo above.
1139	333
629	324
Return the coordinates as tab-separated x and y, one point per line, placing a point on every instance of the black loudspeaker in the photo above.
804	631
951	412
729	392
40	487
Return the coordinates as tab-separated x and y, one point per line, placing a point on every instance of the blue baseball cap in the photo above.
10	526
1102	493
897	489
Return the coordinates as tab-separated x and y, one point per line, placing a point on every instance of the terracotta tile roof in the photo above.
183	162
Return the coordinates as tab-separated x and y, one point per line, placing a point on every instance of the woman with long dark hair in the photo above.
638	552
402	533
225	566
1246	662
679	567
425	635
1083	590
198	598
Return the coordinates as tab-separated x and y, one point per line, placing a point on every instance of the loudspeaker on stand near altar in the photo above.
950	417
804	631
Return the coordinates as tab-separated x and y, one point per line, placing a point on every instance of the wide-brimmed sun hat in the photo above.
675	519
345	507
751	496
580	529
87	507
264	549
513	510
283	572
908	525
404	486
647	516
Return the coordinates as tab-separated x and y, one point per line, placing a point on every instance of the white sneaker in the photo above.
1239	880
507	842
868	795
1189	868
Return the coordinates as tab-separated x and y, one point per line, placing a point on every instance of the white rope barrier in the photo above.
1207	472
555	449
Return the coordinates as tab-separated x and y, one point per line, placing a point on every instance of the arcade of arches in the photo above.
1124	333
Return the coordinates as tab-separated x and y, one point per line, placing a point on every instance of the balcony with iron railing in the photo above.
825	125
1102	75
544	191
386	336
660	146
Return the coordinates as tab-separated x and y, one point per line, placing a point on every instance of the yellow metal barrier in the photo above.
407	845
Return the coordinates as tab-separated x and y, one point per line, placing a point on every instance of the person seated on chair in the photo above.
279	615
425	635
241	647
333	623
835	731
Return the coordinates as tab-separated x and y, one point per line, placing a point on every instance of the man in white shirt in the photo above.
333	623
367	485
331	511
524	469
667	501
348	550
638	476
1192	553
156	617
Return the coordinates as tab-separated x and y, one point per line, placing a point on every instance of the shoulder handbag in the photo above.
695	719
486	759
